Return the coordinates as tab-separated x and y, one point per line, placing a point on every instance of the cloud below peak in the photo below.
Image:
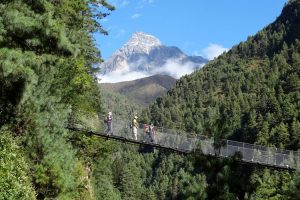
175	68
172	67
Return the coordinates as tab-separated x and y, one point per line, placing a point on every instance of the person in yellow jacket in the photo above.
135	127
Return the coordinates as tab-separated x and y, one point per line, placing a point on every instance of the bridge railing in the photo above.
253	153
185	142
262	155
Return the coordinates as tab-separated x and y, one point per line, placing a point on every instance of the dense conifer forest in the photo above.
47	82
46	76
249	94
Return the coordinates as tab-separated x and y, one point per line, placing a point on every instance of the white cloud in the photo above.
212	51
175	69
172	67
135	16
125	74
116	77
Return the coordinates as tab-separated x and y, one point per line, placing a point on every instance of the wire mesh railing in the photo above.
185	142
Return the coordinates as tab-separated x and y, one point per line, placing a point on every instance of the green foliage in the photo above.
132	187
246	94
47	82
294	188
120	105
14	171
46	60
103	181
249	94
270	185
193	187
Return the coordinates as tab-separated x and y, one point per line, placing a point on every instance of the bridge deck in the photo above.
129	140
182	142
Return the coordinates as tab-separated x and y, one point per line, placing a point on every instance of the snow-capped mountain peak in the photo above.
139	43
145	55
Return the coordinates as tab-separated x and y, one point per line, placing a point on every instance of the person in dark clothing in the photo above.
149	130
152	132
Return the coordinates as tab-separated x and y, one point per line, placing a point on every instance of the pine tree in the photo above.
14	170
192	187
295	133
132	185
103	181
41	50
293	192
270	185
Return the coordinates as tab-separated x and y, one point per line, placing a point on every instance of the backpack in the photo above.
105	120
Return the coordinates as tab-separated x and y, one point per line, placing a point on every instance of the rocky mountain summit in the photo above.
145	53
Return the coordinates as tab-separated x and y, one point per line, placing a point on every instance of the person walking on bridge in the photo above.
135	127
109	124
149	131
152	132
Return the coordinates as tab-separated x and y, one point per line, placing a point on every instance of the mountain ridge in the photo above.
143	91
145	53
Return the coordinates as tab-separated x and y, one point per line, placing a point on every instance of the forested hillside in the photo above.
47	83
142	91
46	75
250	94
234	96
118	104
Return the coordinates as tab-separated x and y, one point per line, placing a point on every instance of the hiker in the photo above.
152	132
149	131
109	123
134	125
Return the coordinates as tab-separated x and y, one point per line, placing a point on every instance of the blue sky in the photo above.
197	27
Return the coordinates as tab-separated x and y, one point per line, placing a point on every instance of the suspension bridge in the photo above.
180	141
